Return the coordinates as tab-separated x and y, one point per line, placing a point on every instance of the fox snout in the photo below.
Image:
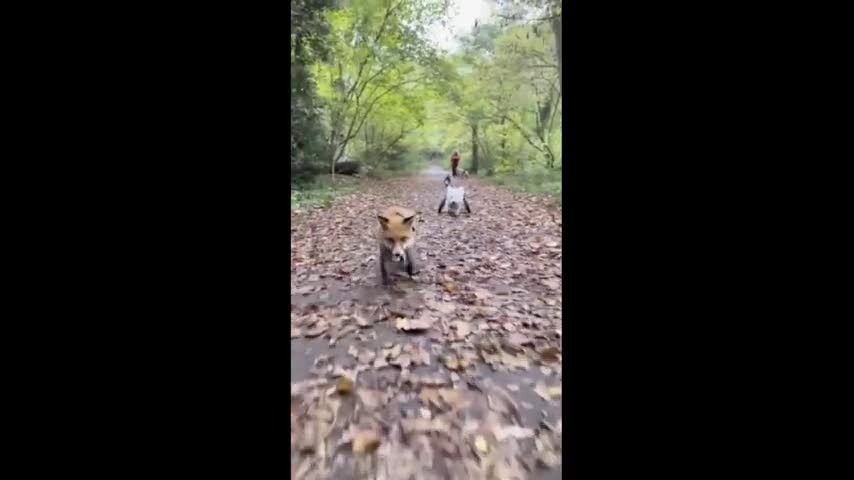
398	254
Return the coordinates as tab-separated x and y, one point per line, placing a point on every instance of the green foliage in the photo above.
320	191
541	181
308	147
367	85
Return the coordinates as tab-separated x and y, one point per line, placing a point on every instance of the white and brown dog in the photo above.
455	197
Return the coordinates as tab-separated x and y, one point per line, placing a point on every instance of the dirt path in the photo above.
456	374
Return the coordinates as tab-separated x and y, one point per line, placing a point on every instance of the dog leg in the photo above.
441	205
466	203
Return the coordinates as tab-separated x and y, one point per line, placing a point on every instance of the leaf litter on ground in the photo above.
492	301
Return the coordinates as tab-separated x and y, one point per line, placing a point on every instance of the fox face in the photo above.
397	232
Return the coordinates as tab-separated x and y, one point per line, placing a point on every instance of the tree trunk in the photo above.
474	159
557	27
333	148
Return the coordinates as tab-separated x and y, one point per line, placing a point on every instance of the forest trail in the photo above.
456	374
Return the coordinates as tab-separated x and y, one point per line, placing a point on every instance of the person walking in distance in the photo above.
455	162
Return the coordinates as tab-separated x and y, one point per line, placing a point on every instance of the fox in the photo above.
455	197
396	237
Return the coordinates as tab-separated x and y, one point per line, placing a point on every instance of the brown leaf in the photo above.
318	329
454	398
514	431
367	356
394	351
443	307
430	396
371	399
360	320
420	324
423	425
463	328
547	393
345	385
452	362
403	361
550	353
514	342
365	441
380	362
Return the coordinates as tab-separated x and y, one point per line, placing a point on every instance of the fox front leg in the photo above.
410	262
383	271
441	205
466	203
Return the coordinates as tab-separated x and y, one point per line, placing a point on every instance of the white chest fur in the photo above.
454	194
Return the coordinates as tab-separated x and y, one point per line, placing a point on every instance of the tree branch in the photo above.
524	134
403	133
354	129
376	39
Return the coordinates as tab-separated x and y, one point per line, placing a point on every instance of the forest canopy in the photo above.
368	85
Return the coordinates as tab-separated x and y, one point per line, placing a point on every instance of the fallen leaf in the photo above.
547	393
417	325
514	431
403	361
360	320
454	398
481	445
365	441
443	307
452	362
550	353
345	385
318	329
367	356
371	398
463	328
380	362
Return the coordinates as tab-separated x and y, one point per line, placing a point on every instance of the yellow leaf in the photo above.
365	441
481	444
345	385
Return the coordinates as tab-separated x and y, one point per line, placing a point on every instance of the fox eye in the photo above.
403	239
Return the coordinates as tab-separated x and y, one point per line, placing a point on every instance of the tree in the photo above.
378	49
308	29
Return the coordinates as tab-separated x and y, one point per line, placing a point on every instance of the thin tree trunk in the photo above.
557	27
474	159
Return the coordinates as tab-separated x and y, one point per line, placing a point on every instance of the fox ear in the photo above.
383	222
408	220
